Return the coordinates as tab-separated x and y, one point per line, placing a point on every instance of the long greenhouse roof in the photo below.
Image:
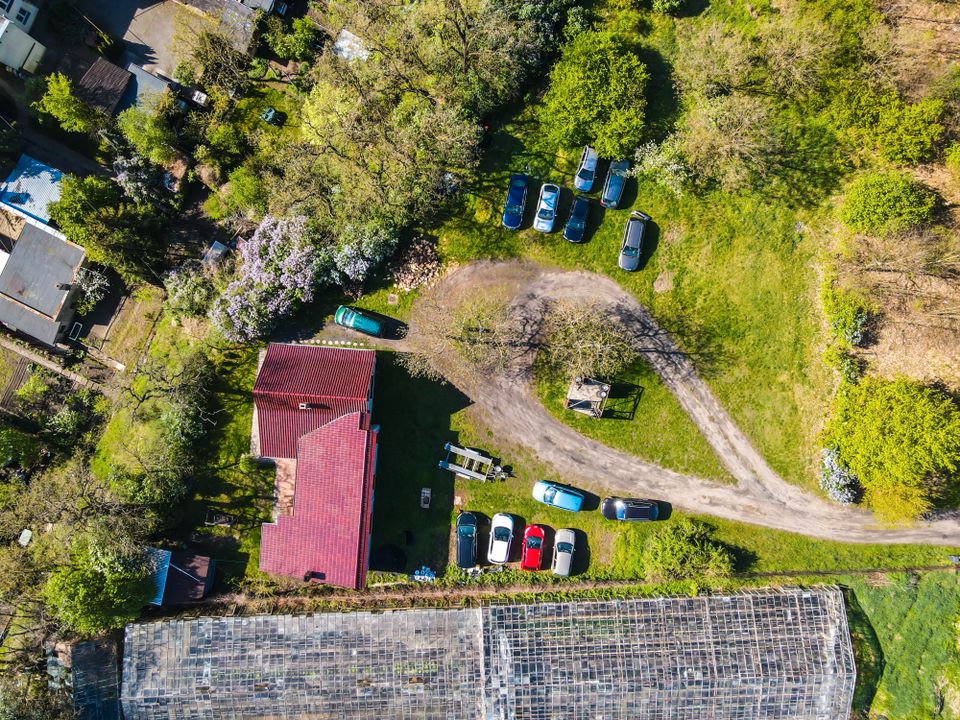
763	654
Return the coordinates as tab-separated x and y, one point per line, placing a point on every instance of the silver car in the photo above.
587	170
563	547
632	242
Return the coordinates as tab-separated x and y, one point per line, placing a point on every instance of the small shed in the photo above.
587	396
103	86
31	187
179	577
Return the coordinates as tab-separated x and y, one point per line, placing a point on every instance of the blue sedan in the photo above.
577	222
516	199
550	493
616	180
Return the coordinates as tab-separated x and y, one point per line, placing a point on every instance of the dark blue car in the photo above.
577	222
516	199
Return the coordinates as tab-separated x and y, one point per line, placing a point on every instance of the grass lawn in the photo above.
417	417
737	273
905	630
641	417
131	328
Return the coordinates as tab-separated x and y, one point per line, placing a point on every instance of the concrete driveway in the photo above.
147	27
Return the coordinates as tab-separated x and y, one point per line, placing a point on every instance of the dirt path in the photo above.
759	496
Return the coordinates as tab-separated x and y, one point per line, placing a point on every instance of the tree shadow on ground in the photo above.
867	652
623	401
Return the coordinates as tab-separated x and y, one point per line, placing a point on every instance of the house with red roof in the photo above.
312	412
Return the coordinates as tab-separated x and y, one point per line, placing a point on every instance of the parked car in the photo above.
516	201
632	242
565	498
587	170
532	556
356	320
547	208
501	536
630	509
577	222
466	540
563	548
614	184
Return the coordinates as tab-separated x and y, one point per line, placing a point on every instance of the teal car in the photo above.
356	320
558	496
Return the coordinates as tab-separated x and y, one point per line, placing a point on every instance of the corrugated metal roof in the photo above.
160	562
327	536
31	187
330	381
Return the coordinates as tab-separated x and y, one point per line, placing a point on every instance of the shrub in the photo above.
951	159
884	203
663	163
906	132
836	480
848	312
596	95
849	366
684	549
189	291
901	439
666	6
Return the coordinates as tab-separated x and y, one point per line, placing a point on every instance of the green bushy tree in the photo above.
149	131
886	202
59	102
684	549
596	95
901	439
907	132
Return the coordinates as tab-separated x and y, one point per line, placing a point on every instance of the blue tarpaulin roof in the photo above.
160	559
31	187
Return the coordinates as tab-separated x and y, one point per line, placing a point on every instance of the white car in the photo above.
501	537
587	171
547	208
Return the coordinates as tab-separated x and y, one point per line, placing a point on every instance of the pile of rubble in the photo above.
418	265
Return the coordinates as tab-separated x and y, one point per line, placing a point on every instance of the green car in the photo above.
358	321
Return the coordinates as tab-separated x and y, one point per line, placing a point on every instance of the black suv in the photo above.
466	540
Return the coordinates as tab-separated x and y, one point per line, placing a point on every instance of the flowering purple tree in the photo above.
279	270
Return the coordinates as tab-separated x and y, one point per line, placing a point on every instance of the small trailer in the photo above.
587	396
470	464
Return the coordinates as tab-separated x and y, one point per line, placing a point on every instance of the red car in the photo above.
532	556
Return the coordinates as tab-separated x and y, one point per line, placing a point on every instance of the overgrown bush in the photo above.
849	313
663	163
907	132
836	480
886	202
951	159
849	366
684	549
190	290
900	439
362	248
666	6
298	42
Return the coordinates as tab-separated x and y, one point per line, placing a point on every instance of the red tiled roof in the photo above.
327	536
333	381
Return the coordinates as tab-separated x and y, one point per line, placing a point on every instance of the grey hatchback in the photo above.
632	242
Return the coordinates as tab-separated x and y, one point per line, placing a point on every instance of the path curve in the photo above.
760	496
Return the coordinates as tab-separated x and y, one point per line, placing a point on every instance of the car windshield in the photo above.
549	494
631	251
545	214
501	534
564	547
585	174
533	543
465	531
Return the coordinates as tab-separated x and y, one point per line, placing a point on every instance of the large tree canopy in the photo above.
596	96
901	440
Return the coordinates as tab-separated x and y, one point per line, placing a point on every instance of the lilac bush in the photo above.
361	250
836	479
279	269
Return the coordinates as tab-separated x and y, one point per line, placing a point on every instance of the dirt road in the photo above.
759	496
